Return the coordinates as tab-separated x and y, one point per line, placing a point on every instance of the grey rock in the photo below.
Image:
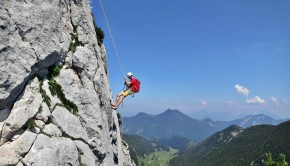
95	121
83	21
20	164
44	114
15	69
42	157
1	126
85	62
68	60
69	123
52	151
4	114
40	124
87	156
11	152
24	109
35	30
35	130
17	134
54	100
52	130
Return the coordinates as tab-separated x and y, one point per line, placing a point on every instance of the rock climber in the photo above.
133	86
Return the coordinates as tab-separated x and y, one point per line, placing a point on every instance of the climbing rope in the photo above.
112	38
118	57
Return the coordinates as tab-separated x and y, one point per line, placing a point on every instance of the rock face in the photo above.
54	89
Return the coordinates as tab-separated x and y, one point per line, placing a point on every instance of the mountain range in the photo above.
237	146
174	123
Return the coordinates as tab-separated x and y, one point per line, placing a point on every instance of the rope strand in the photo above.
113	41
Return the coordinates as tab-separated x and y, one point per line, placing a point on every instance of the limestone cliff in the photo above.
54	89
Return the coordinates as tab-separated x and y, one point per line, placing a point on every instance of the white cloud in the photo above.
242	90
203	103
274	100
256	100
231	102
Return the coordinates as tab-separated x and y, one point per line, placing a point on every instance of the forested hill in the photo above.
149	151
242	147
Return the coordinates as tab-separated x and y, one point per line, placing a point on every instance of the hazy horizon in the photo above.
204	116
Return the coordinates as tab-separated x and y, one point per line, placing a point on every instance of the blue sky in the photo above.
219	59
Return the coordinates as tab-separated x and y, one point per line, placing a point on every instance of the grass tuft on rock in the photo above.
57	90
54	71
100	35
31	124
99	32
45	97
40	109
74	43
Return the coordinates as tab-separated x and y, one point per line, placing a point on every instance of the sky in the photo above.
209	59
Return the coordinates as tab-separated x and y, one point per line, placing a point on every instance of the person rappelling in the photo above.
133	86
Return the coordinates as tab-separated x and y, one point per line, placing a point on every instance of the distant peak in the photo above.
142	114
172	111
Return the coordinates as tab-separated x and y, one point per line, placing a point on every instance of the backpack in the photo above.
136	86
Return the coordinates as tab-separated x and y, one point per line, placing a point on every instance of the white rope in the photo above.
113	41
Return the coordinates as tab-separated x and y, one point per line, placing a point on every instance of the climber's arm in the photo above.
127	83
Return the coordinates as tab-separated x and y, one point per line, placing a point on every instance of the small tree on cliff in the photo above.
270	162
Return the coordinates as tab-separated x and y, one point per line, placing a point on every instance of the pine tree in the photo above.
282	161
270	162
